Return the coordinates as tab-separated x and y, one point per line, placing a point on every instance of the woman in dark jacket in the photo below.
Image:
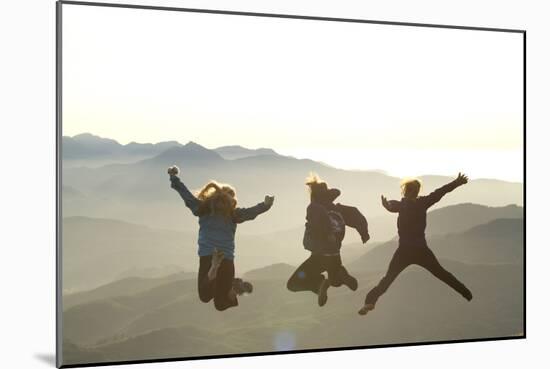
325	229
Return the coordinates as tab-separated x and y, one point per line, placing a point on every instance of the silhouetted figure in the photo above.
216	207
325	229
413	249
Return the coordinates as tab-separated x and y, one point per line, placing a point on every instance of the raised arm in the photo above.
436	195
244	214
392	206
190	200
354	219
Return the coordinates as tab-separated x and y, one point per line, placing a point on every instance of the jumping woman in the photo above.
325	229
413	249
216	207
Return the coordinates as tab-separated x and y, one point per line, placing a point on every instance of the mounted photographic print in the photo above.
235	184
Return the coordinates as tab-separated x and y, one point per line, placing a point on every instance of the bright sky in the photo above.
356	96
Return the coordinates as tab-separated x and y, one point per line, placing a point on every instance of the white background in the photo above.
27	34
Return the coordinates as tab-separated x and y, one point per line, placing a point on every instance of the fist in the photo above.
268	200
173	170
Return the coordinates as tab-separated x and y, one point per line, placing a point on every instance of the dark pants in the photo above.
308	276
218	288
419	255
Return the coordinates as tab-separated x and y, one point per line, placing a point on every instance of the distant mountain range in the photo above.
130	257
139	191
86	149
98	251
494	242
138	318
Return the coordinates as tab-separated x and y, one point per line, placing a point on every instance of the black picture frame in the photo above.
58	118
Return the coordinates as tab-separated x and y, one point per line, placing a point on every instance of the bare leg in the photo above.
205	285
217	259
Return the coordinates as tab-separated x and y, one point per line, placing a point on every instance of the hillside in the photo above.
449	219
273	318
500	241
98	251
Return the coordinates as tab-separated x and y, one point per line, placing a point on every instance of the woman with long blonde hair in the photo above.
216	207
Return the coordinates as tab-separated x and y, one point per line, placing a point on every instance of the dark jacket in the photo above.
411	222
325	226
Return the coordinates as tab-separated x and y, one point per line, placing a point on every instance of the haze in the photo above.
356	96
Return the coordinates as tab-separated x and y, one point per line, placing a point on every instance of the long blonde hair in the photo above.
217	198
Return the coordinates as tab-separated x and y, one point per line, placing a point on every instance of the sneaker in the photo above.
322	295
366	308
240	287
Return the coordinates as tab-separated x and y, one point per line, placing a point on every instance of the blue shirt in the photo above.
216	230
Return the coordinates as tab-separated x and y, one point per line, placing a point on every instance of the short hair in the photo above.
410	187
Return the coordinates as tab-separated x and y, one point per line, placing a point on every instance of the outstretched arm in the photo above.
244	214
354	219
436	195
392	206
190	201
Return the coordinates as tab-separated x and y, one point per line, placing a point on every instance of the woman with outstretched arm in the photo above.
413	248
324	232
216	207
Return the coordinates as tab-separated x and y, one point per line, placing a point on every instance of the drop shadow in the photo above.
46	358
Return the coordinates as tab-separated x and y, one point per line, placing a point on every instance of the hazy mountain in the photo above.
151	272
122	287
87	149
169	321
124	313
239	152
140	192
134	302
499	241
90	321
274	271
90	150
98	251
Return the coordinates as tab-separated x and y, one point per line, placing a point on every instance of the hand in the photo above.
366	238
385	202
173	170
268	200
461	179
